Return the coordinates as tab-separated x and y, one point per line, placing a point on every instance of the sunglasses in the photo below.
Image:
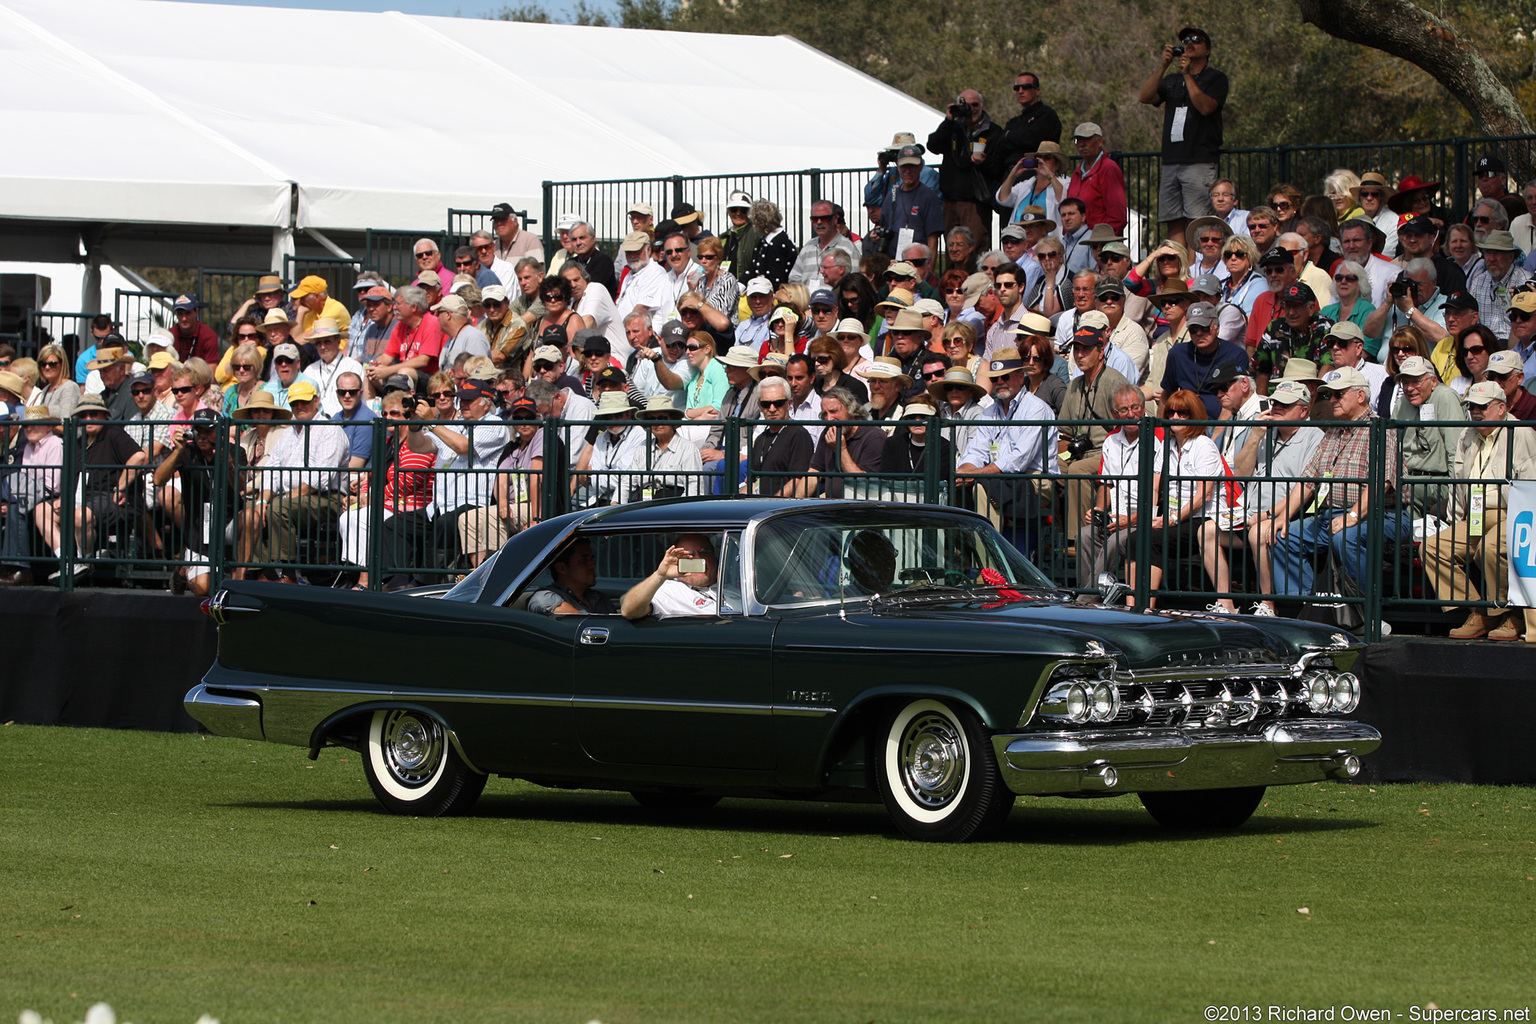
1173	300
50	364
821	220
674	252
1340	342
285	360
237	367
1235	254
707	256
678	344
183	391
435	395
1280	204
394	414
1409	349
248	335
933	374
463	263
547	299
1520	317
1258	225
773	403
1372	194
543	367
1197	329
1211	240
143	391
1475	350
1351	278
1111	257
691	348
424	255
524	418
348	392
1500	377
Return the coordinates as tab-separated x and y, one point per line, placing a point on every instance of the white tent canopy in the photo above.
154	113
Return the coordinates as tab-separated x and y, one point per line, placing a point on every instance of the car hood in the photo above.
1142	640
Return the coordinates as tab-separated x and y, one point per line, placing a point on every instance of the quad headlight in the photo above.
1080	701
1335	692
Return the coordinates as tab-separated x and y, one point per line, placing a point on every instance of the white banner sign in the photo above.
1520	542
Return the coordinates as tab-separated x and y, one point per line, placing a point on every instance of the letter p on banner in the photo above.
1520	541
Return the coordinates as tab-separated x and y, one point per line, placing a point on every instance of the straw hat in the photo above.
1374	179
106	357
614	403
261	399
658	407
887	368
958	376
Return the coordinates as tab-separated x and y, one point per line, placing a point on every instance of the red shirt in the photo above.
202	343
1102	191
427	339
1265	309
407	479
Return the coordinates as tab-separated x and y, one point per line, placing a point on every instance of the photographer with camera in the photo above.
1090	396
886	180
972	165
1414	298
1192	102
188	503
1033	125
911	214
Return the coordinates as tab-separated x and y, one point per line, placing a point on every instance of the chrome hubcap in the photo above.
932	760
413	747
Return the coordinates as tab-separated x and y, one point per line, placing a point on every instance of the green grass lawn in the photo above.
174	875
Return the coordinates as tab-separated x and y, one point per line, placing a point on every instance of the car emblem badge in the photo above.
1096	649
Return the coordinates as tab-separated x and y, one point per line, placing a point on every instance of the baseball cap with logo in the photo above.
472	389
739	201
1347	330
493	293
1206	284
287	350
1110	286
501	211
909	155
1290	392
1275	256
1342	378
549	354
1201	314
1414	366
1420	225
643	209
1490	164
1088	337
184	302
1505	362
1462	299
1484	392
378	293
674	333
311	285
610	375
759	286
901	268
1087	130
1299	292
302	391
823	297
1115	249
635	241
1525	302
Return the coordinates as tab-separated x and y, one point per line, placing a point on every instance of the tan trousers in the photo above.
1082	474
1448	553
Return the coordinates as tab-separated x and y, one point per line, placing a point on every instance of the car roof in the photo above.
728	512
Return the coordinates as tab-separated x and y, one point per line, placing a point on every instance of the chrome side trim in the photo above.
721	708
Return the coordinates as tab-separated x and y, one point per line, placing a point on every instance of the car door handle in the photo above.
594	635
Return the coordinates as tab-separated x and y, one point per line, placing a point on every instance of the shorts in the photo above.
1185	192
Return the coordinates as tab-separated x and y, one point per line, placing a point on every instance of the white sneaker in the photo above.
1264	610
1218	608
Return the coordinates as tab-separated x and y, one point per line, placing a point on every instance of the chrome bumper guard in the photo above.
225	712
1133	760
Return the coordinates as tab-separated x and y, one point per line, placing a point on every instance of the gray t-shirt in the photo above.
1279	465
470	339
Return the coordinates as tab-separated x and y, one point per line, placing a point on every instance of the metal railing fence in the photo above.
220	293
605	202
1424	545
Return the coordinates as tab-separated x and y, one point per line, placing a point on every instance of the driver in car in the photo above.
669	591
571	591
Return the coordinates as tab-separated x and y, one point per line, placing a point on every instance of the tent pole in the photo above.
90	281
282	245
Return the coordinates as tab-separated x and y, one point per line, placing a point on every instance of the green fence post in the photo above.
1463	185
815	175
932	463
69	479
549	217
1146	508
1283	163
677	190
373	558
730	448
550	483
1375	526
218	506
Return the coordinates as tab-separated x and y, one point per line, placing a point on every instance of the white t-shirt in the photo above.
674	598
1197	462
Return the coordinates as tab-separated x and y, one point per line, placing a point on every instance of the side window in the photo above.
598	569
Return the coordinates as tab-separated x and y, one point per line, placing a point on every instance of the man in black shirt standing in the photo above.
1192	102
1033	124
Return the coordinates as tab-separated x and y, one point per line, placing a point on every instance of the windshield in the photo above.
854	554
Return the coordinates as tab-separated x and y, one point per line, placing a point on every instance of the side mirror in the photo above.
1111	590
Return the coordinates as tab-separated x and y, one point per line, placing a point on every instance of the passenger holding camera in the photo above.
683	584
1192	102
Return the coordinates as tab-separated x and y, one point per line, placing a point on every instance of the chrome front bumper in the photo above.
1133	760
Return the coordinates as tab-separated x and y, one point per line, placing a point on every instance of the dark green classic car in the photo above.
841	650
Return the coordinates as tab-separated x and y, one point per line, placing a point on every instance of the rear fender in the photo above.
349	728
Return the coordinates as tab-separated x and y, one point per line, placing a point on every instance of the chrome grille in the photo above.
1207	703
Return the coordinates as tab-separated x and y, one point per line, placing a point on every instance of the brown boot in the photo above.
1477	625
1508	629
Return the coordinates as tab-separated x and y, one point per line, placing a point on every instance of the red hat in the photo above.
1406	188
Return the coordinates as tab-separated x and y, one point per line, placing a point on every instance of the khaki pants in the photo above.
1080	490
288	513
1448	553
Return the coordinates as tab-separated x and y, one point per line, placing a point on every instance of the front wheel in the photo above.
938	776
413	769
1204	808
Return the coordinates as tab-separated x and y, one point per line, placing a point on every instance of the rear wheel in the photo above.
413	768
938	776
1204	808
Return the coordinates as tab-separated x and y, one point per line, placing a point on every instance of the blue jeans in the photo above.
716	469
1293	557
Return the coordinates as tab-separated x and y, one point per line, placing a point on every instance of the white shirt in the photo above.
679	283
674	598
578	407
1375	375
505	274
679	456
807	412
324	375
610	453
598	304
648	287
472	480
1122	460
1196	463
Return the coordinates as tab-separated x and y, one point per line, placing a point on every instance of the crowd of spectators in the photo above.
1038	360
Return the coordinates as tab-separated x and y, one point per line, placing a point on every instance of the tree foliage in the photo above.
1292	83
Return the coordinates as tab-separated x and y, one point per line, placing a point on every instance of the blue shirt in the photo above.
359	433
753	331
1188	370
882	185
82	370
1019	448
